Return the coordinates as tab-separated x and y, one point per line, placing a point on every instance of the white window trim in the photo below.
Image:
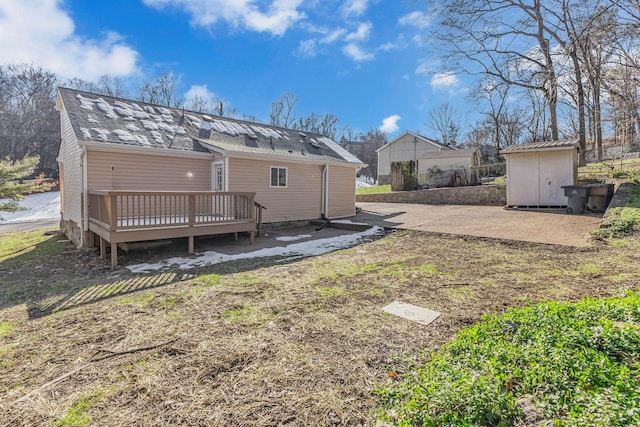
286	176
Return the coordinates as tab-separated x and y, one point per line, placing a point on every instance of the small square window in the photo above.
278	177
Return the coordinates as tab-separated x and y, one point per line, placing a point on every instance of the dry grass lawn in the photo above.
258	343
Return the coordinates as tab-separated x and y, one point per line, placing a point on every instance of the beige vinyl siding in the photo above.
342	191
70	156
300	200
147	172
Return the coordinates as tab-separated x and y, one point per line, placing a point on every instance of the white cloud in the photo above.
356	53
362	33
278	17
202	92
425	66
390	124
415	19
307	48
389	46
398	44
444	80
334	35
353	49
42	33
355	7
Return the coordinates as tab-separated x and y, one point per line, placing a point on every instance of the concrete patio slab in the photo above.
541	226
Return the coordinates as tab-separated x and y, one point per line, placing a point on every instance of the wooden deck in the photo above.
133	216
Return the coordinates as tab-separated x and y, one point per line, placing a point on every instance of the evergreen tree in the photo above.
11	189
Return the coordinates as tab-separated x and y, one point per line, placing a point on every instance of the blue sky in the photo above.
362	60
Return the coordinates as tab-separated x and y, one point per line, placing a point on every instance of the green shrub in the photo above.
618	173
633	176
579	362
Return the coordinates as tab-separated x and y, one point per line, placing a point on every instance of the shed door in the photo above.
522	179
555	171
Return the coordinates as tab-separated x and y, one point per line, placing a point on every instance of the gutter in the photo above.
84	192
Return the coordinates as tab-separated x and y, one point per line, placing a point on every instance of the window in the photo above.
278	177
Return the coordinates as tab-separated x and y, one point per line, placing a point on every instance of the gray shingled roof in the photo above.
104	119
538	146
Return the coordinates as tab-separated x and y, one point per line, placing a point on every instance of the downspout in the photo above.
225	172
85	199
325	192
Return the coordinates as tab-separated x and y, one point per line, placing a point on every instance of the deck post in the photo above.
192	210
114	255
112	212
103	249
191	245
252	235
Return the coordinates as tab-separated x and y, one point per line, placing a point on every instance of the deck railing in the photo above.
137	210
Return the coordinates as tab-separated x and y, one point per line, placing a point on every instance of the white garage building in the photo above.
407	147
537	171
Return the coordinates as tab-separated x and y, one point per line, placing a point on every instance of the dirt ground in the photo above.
262	342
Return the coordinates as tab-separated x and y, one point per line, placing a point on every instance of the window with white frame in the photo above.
278	177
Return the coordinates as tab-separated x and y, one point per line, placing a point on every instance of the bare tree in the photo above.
346	133
324	124
494	94
80	84
29	124
199	105
444	121
112	86
504	39
163	90
364	147
283	112
106	85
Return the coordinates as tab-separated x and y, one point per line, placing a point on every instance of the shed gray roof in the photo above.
108	120
540	146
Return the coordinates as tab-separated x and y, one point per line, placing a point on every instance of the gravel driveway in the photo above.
541	226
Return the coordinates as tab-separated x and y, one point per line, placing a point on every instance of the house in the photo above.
407	147
537	171
133	171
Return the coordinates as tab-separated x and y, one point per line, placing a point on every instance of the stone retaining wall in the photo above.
492	195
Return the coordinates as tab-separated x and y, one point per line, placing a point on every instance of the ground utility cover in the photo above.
411	312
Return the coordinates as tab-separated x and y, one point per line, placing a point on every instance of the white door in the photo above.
218	176
555	171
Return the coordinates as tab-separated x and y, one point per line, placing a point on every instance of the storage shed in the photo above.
537	171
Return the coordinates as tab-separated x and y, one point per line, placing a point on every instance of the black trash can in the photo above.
577	196
598	197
